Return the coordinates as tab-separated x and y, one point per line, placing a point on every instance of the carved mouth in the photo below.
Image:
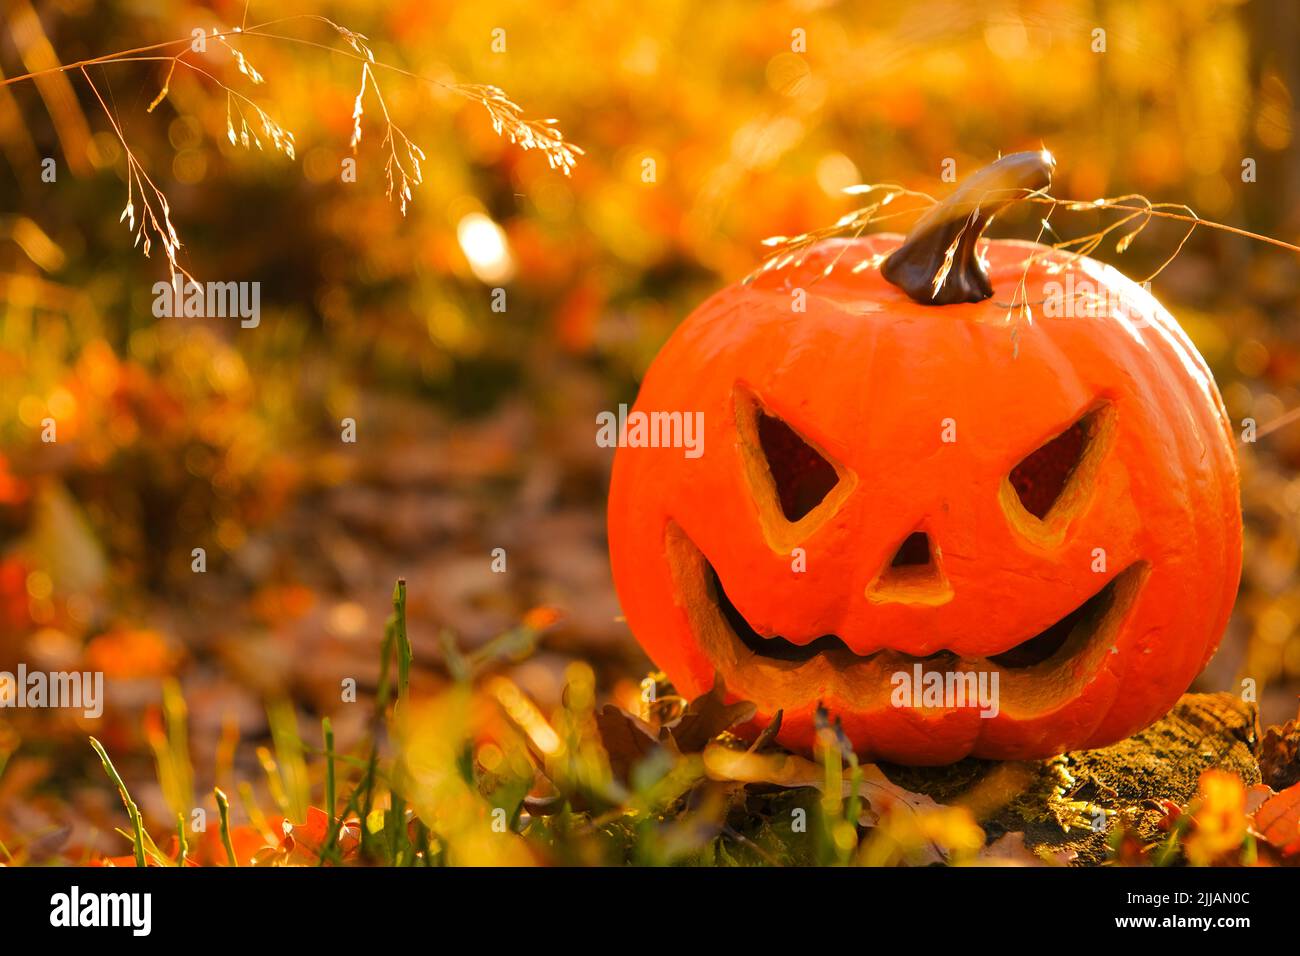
1037	675
1083	621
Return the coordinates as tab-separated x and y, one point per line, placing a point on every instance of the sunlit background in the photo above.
475	426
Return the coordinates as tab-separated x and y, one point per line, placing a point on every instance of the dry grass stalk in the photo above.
249	125
1136	211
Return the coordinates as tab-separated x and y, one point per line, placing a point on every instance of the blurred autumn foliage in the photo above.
706	128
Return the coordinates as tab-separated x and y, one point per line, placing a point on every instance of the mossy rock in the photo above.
1067	805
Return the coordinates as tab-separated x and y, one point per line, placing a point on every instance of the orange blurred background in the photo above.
474	426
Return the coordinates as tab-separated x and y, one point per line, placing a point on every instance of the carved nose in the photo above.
913	575
915	550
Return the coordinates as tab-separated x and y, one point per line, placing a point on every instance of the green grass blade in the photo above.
223	809
132	811
331	796
404	653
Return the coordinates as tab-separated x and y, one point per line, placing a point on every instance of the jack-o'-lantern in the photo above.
889	488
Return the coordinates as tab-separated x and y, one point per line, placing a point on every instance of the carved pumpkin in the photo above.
889	485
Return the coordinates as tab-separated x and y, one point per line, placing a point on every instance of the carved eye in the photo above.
803	478
795	485
1057	470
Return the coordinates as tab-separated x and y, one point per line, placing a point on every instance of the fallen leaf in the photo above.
1278	821
707	716
626	739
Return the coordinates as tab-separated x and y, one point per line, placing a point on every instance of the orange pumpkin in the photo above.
890	485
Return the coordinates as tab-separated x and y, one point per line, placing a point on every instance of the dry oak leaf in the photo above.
1278	821
627	739
707	716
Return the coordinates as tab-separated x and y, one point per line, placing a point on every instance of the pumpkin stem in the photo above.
938	263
